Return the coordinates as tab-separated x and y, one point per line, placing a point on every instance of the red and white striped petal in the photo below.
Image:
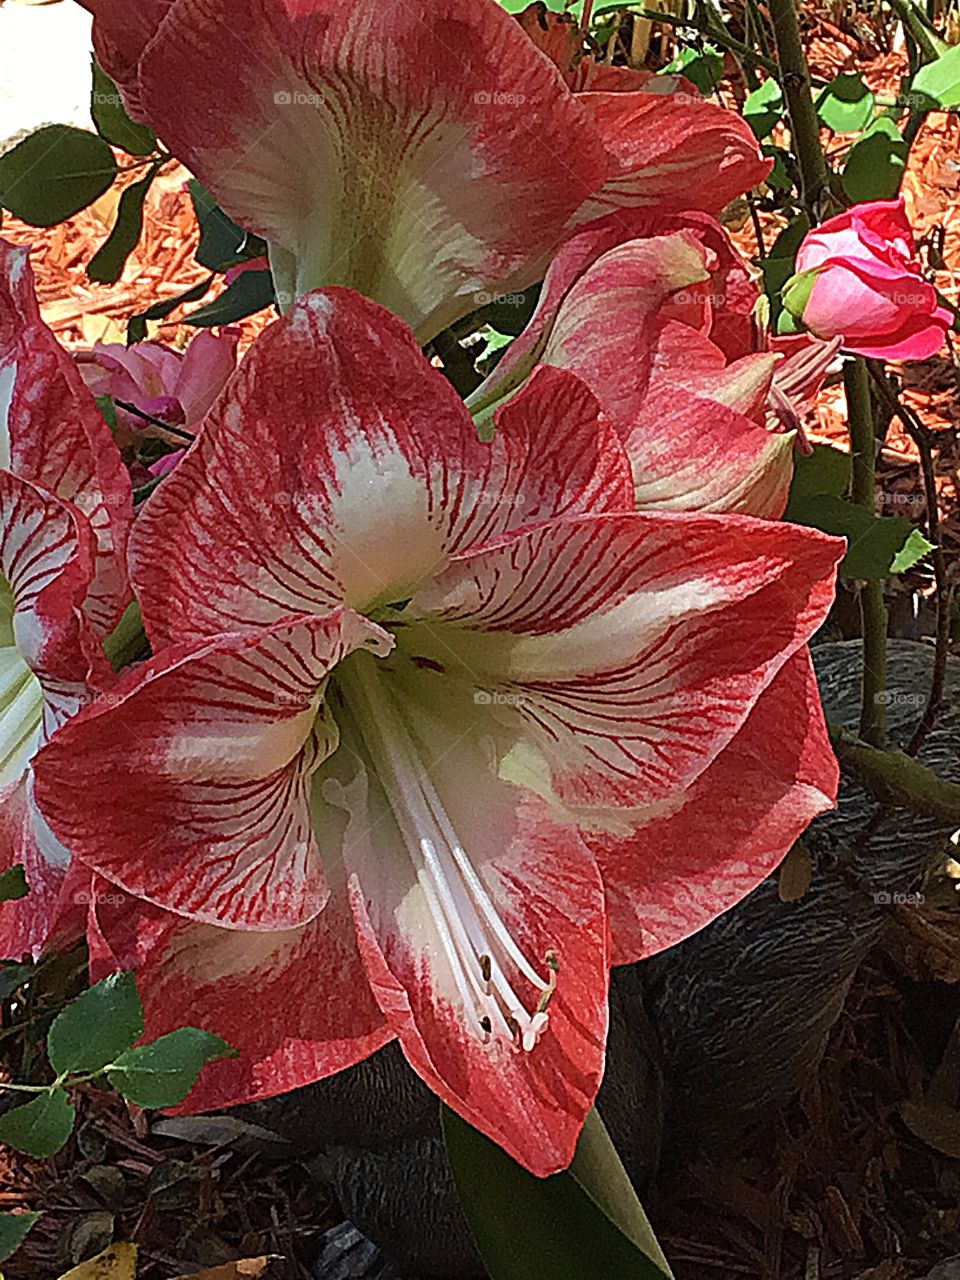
669	152
51	663
626	651
417	152
295	1004
472	900
190	785
338	467
693	454
52	433
697	857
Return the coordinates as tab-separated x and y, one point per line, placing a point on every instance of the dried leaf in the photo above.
242	1269
796	873
118	1262
936	1124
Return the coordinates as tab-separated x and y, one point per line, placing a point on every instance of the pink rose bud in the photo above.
858	279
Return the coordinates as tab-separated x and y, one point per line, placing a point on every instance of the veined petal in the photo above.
671	152
52	433
51	663
690	860
338	467
418	152
626	650
190	788
693	454
296	1004
479	913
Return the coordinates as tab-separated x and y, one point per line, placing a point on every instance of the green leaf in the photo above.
846	105
110	117
878	546
162	1073
875	165
222	242
557	1227
704	67
137	324
825	470
54	173
41	1127
108	409
101	1023
763	108
249	293
939	81
777	266
13	1231
13	884
12	977
106	265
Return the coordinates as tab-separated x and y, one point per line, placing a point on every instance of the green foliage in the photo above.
12	977
247	294
876	163
13	884
137	324
878	546
100	1024
110	118
39	1128
93	1036
106	265
585	1221
162	1073
846	105
939	81
223	243
763	108
14	1228
703	67
777	267
54	173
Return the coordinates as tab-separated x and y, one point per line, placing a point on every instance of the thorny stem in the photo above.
923	36
895	777
722	37
798	92
921	437
873	613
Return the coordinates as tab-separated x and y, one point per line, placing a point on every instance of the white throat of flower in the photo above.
483	957
21	699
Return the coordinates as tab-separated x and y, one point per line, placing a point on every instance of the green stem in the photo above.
724	39
873	611
798	92
893	776
128	639
926	39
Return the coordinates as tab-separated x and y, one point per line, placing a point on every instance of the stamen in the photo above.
483	957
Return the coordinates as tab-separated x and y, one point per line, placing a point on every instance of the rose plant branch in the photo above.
894	777
873	611
920	435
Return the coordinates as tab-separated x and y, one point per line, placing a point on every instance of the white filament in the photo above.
477	945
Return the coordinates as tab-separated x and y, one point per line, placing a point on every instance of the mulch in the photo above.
859	1179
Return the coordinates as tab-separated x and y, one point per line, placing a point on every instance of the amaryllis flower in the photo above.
657	316
415	696
65	506
858	280
423	153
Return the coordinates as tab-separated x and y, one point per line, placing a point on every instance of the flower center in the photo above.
21	698
486	962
